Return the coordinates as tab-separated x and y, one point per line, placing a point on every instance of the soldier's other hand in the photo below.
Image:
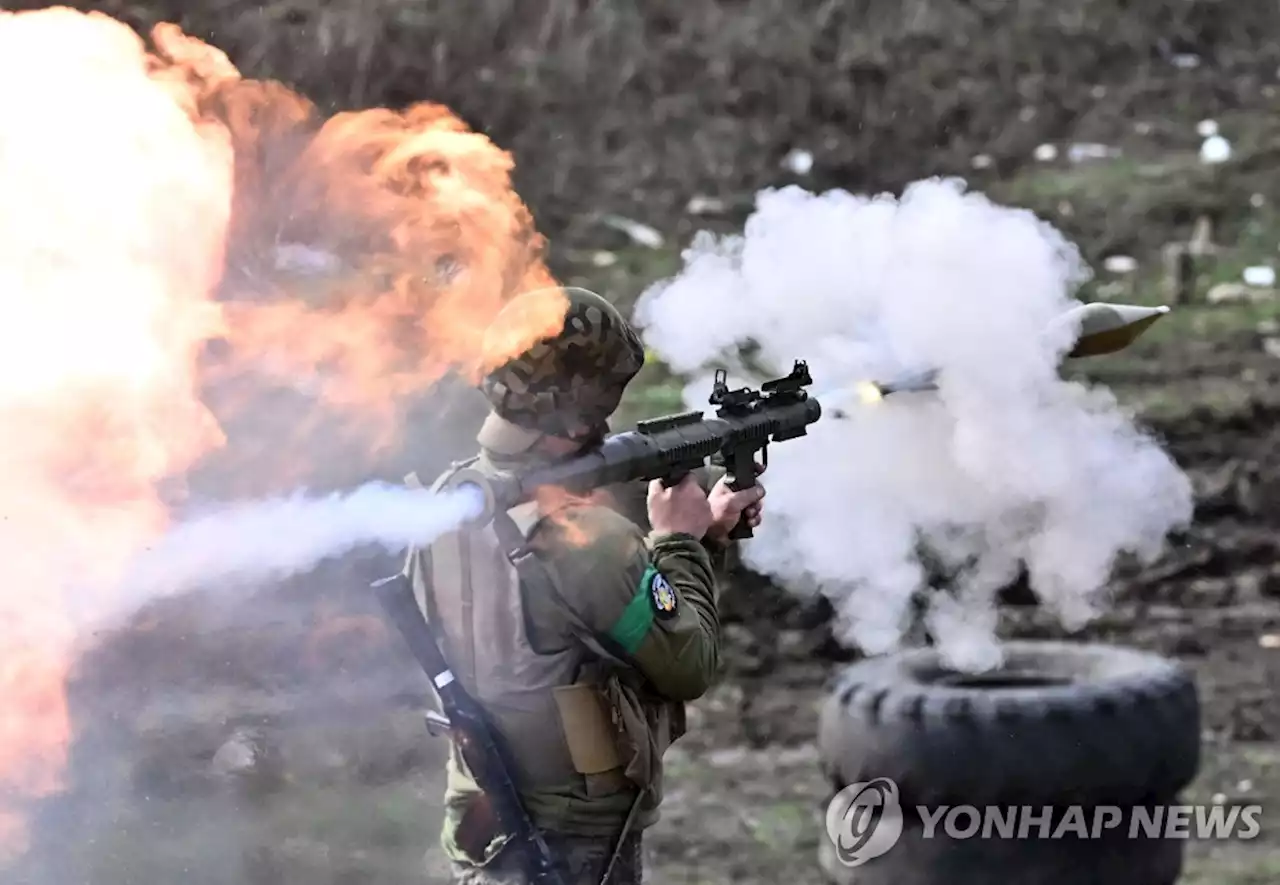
681	508
728	506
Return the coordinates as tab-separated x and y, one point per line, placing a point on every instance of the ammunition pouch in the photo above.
618	733
591	732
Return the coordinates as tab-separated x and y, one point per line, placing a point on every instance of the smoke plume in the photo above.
256	541
1006	466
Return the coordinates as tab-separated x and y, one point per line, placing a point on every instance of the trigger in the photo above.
764	456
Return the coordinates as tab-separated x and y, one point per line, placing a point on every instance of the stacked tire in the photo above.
1061	729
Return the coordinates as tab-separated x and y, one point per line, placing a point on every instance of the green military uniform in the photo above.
585	670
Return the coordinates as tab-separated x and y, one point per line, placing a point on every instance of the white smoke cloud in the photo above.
1007	464
266	540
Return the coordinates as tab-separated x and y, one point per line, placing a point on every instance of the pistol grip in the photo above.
674	478
741	469
741	475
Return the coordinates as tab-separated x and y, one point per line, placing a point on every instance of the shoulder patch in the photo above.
662	595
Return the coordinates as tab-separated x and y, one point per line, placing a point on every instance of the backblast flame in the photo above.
373	247
869	392
111	241
156	202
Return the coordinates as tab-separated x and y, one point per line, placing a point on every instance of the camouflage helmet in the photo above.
570	380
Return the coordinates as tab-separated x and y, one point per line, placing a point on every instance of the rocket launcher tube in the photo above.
670	447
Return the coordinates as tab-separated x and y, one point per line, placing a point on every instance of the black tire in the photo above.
1059	723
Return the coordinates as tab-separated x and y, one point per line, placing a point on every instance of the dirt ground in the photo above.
275	737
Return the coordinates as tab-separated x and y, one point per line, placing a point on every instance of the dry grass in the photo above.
635	107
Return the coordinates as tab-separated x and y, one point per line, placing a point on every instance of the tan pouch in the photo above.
588	728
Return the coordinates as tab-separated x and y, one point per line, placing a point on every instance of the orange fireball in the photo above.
152	202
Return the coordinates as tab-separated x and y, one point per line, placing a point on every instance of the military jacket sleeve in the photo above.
654	596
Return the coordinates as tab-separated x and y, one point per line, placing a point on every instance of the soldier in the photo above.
585	652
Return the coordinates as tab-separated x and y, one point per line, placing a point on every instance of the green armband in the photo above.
655	597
